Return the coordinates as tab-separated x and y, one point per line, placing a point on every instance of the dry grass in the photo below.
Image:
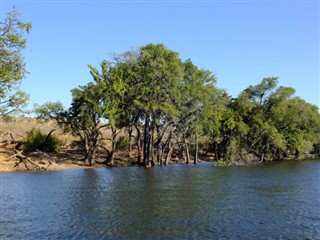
65	159
68	157
20	126
17	128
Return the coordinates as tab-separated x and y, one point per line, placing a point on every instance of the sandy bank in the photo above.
51	162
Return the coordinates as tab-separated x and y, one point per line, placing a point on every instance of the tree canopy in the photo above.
13	67
167	106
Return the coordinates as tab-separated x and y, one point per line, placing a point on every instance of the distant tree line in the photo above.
167	105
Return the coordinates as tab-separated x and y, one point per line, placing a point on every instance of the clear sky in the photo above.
241	42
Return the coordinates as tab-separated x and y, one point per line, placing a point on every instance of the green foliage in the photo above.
49	110
169	102
12	69
232	151
224	163
159	71
277	124
36	140
122	142
259	92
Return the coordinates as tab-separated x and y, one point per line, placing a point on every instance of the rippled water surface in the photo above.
277	201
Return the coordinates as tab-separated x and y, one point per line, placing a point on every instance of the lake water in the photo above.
277	201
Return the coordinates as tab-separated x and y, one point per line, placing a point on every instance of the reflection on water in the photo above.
280	200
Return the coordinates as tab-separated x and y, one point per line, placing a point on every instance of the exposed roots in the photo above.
27	162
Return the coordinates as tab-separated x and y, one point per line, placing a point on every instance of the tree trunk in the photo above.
113	146
111	159
130	140
139	144
90	156
317	150
221	150
159	146
195	161
159	154
297	154
151	142
24	159
91	145
146	142
186	148
277	154
86	149
148	152
93	158
216	151
164	146
44	143
168	157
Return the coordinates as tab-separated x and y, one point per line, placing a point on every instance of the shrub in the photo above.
35	140
224	163
122	142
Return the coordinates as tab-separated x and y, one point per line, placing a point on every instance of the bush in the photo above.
35	140
232	153
122	142
224	163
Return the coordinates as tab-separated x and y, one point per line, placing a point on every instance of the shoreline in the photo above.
67	160
7	166
47	162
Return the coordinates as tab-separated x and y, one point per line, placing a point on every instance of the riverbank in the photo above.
46	162
73	159
67	159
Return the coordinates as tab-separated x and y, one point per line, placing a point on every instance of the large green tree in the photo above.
13	67
196	104
95	106
154	82
274	124
111	84
82	118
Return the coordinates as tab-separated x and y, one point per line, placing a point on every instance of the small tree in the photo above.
82	119
110	81
94	106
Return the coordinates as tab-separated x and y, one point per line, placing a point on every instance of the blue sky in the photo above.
241	42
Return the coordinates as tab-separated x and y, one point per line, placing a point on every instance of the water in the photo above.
277	201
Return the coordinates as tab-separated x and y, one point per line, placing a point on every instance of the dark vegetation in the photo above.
165	107
35	140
